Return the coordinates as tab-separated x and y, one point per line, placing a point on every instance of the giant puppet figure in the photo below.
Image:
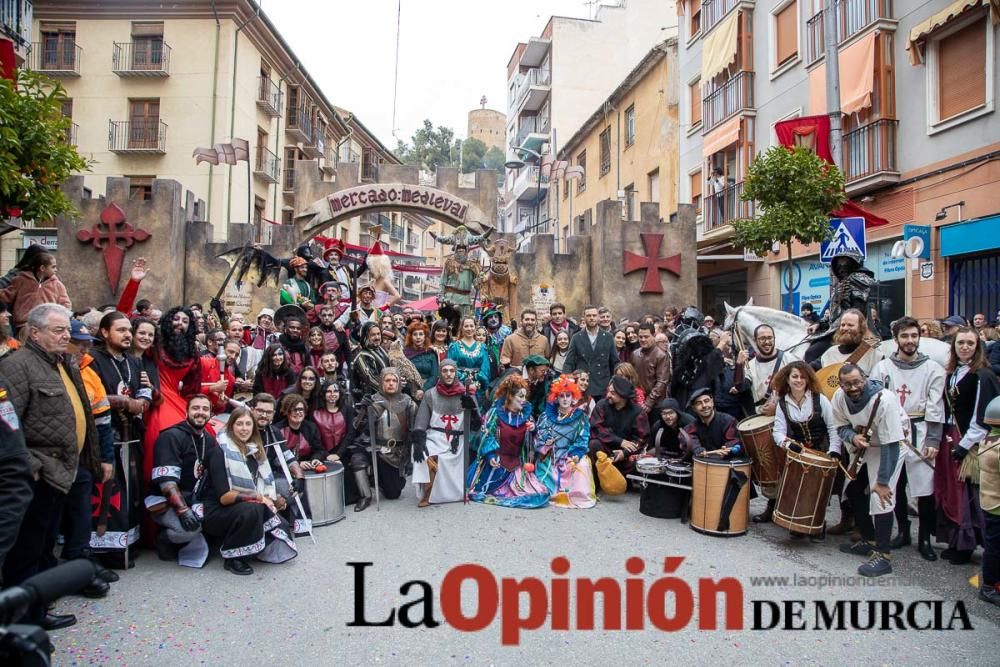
461	275
500	281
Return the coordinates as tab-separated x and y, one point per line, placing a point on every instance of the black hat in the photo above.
700	391
622	387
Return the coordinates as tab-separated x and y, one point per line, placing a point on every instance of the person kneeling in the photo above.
241	503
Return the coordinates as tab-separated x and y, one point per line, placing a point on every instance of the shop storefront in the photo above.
972	249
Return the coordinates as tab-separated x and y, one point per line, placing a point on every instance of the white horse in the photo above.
791	332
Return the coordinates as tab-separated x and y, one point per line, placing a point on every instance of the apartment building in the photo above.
555	81
15	27
917	87
626	150
149	82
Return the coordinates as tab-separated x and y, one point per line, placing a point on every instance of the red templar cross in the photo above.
903	392
449	421
653	263
106	234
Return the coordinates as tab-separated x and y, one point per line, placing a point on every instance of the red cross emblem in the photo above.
903	392
106	235
449	421
652	263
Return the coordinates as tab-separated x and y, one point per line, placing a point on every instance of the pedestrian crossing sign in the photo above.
848	239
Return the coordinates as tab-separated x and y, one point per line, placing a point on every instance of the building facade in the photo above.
554	81
147	84
917	87
632	140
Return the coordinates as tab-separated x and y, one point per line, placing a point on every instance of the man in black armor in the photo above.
850	286
697	362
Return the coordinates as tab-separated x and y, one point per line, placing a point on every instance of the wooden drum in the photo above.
768	459
805	491
720	496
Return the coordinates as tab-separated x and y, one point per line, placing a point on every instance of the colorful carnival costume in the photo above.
561	443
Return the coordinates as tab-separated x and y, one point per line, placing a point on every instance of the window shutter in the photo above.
694	91
696	189
786	29
961	71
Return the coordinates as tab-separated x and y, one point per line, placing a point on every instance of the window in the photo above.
696	191
631	202
287	217
147	46
653	180
293	104
630	125
258	211
785	25
694	98
67	108
140	188
695	24
581	161
144	124
58	45
429	243
605	151
960	72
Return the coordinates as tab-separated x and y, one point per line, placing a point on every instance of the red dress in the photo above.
178	382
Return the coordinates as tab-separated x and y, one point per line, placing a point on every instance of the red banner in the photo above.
812	132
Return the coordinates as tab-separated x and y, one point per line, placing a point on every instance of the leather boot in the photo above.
765	516
845	525
364	488
903	539
926	549
432	466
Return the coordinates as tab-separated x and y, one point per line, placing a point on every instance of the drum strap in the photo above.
737	480
770	387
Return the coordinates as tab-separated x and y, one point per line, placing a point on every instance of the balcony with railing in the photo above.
869	156
266	166
851	18
55	58
732	97
300	126
328	161
528	185
146	136
143	57
369	168
15	22
268	96
397	233
314	149
533	131
532	89
713	11
721	208
71	134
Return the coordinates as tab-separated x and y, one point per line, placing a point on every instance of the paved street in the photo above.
297	613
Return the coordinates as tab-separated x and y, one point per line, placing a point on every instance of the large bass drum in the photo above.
805	491
720	496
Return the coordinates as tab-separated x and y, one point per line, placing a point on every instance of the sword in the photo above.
372	437
288	477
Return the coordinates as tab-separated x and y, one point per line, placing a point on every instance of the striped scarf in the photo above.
238	472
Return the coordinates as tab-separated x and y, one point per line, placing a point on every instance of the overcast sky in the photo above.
451	53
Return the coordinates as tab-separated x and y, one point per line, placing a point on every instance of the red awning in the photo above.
852	210
426	305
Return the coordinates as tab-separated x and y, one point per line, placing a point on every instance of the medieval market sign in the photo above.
398	196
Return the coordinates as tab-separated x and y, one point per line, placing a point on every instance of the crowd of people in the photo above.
192	430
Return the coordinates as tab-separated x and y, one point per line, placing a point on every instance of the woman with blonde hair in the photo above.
627	371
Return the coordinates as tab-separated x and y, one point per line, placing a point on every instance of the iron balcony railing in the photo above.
300	121
870	150
71	134
268	96
531	125
721	208
721	104
142	57
55	57
137	136
852	17
15	21
713	11
397	233
535	76
267	164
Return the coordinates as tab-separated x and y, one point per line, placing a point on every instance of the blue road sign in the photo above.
848	237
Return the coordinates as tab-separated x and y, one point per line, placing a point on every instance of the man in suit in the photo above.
592	350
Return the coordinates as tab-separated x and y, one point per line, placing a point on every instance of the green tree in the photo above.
430	147
473	152
35	156
795	191
495	159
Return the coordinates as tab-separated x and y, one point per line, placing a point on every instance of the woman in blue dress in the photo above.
502	473
561	443
472	358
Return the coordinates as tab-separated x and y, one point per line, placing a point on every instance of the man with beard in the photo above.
653	367
264	406
559	322
334	337
340	274
853	330
385	422
539	377
295	346
215	383
712	433
919	382
763	367
618	427
366	371
179	456
329	298
524	342
121	375
440	438
592	350
180	377
297	290
870	418
365	312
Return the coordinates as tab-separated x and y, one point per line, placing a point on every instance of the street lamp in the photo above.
517	163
